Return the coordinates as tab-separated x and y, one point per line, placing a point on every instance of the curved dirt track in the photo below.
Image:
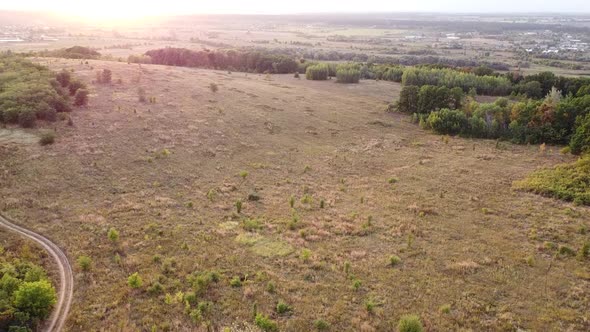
66	288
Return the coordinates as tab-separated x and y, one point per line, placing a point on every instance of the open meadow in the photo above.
236	193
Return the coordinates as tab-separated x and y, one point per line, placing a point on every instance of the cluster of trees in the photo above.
75	52
553	119
30	92
26	294
248	61
429	98
451	78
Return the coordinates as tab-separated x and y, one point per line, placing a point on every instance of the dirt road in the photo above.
58	318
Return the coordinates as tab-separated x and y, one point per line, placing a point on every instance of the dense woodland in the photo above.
30	92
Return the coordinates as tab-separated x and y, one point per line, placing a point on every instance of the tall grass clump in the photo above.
317	72
348	73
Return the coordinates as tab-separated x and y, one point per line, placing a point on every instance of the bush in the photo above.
141	95
447	122
283	308
26	119
321	325
85	263
75	86
47	137
134	280
410	323
317	72
81	98
64	78
113	235
348	73
265	323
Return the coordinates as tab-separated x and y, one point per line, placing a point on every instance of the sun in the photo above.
109	11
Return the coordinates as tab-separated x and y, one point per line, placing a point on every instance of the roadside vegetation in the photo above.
26	293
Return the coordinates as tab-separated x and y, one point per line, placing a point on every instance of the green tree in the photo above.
580	141
408	99
35	298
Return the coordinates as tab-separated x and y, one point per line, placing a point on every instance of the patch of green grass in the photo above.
305	255
410	323
445	309
570	182
394	260
321	325
235	282
265	324
283	308
566	251
251	225
356	284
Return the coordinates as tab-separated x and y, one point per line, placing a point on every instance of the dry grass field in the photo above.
474	255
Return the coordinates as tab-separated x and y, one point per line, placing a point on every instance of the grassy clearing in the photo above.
569	182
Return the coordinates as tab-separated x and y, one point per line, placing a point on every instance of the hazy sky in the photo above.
134	8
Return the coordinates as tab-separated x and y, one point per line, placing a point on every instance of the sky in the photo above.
139	8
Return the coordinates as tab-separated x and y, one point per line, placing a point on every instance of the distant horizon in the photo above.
133	9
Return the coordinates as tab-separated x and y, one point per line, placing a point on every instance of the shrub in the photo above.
446	121
141	95
317	72
105	76
235	282
251	224
155	288
27	119
305	255
64	78
394	260
134	280
85	263
47	137
113	235
321	325
283	308
445	308
348	73
265	323
410	323
81	97
75	86
239	206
